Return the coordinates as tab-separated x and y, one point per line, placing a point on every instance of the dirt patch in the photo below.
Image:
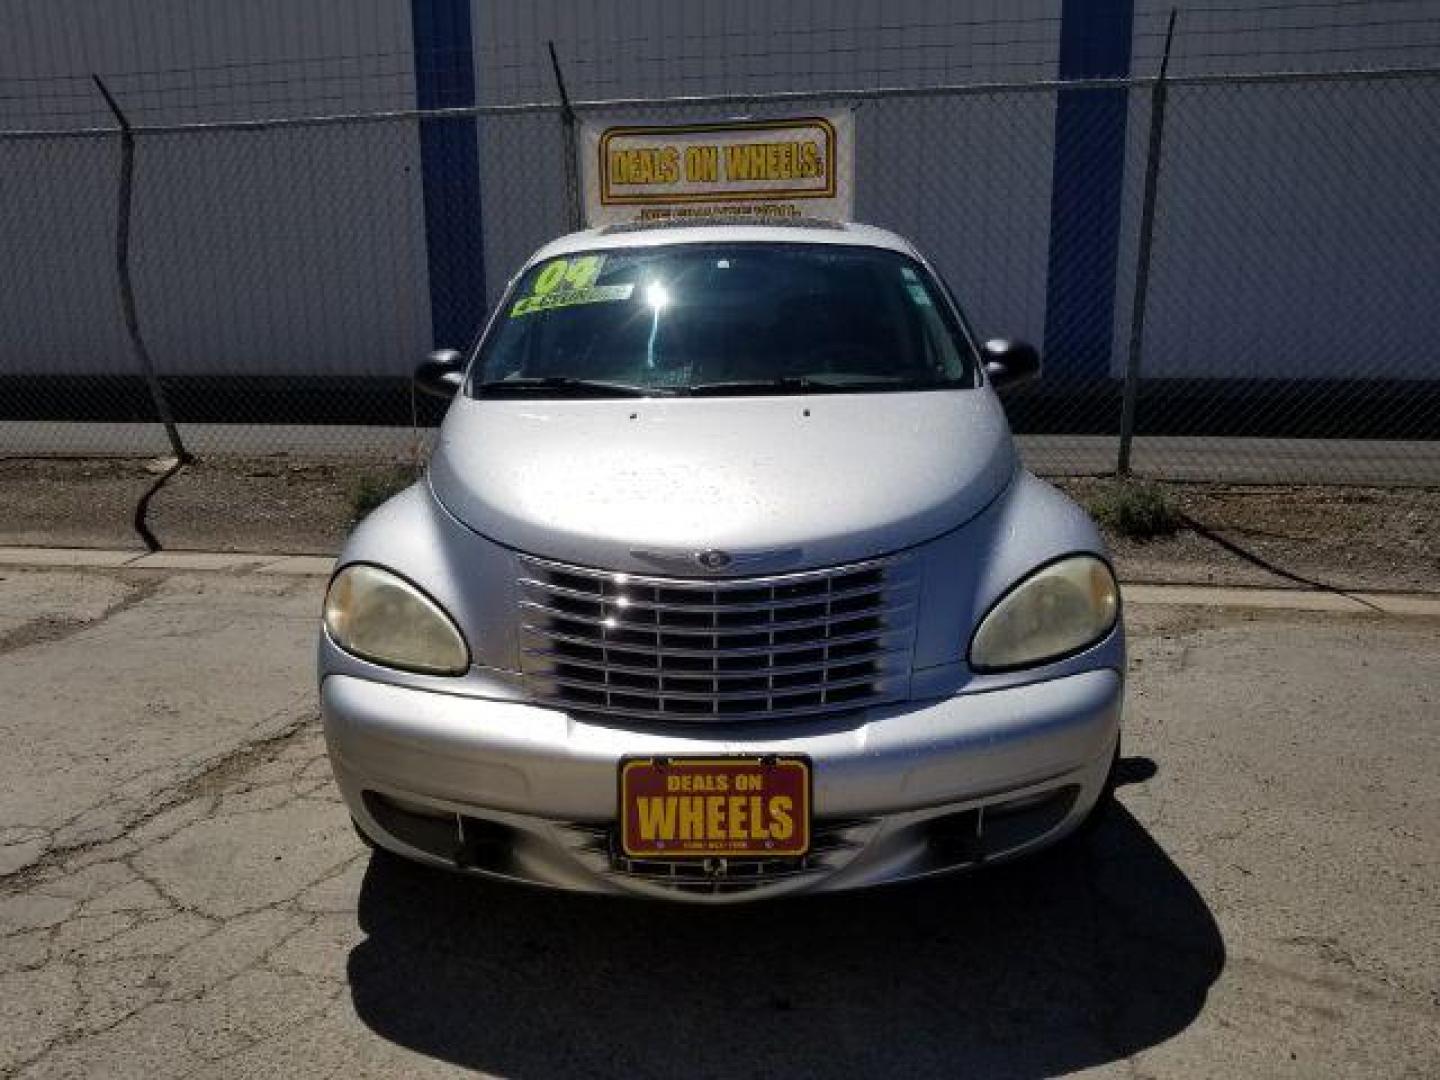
71	503
266	504
1336	537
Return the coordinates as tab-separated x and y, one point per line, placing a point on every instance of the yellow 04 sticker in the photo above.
568	282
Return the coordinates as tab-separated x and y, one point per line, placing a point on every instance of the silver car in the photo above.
724	582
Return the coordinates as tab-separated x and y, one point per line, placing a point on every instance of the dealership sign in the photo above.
799	166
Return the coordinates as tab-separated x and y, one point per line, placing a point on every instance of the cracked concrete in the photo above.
200	677
159	960
186	898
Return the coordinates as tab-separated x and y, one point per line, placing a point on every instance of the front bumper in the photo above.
903	791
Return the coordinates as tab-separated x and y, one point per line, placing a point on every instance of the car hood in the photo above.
777	483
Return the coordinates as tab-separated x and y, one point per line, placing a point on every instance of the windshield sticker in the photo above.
567	282
596	294
568	275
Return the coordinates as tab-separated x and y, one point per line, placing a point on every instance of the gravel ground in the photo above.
268	504
274	504
1336	537
60	502
182	894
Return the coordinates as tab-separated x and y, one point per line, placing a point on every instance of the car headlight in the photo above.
1059	609
381	617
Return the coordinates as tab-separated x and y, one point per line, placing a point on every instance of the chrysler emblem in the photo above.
714	559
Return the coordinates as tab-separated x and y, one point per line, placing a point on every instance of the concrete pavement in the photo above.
183	896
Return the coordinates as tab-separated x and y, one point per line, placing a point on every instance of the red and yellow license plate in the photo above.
740	807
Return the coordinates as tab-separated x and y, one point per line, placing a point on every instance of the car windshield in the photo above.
721	319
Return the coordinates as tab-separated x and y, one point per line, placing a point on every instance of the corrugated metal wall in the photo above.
255	253
173	61
315	250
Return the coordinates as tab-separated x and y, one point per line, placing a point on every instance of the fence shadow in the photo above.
1077	958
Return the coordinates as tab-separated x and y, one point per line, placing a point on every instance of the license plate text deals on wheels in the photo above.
733	806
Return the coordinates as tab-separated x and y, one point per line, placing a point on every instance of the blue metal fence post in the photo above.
1087	189
450	169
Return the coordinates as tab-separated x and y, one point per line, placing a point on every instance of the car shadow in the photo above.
1077	957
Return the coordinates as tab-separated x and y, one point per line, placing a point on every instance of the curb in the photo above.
202	561
1140	595
1338	603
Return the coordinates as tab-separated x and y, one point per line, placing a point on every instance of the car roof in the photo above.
724	231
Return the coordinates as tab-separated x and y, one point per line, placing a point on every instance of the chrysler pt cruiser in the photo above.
724	582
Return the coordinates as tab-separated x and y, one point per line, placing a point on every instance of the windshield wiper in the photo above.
784	384
823	384
564	385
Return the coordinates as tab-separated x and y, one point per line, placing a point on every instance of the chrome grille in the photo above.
734	649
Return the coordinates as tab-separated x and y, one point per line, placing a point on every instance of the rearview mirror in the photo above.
441	375
1009	363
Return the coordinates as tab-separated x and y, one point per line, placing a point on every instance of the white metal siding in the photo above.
304	251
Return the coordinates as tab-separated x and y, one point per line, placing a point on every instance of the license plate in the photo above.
691	807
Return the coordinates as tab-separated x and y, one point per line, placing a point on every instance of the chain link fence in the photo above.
282	269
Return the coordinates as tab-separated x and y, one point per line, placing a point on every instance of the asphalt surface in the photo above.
181	893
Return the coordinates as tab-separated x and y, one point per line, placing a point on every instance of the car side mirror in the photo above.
1009	363
441	375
